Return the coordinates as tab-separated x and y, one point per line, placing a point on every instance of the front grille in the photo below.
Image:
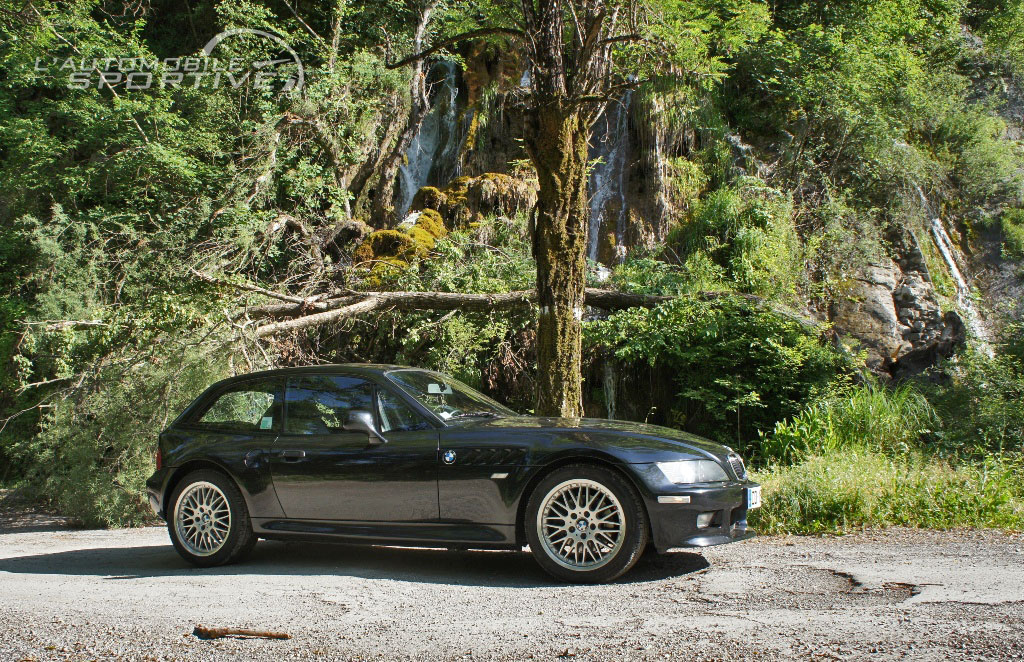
736	464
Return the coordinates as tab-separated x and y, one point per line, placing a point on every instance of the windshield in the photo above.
448	398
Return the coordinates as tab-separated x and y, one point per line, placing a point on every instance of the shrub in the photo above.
871	416
981	402
739	368
1013	234
644	274
94	452
492	257
748	231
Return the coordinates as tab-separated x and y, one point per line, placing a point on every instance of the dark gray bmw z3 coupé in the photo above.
393	455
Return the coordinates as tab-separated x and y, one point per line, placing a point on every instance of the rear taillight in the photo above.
159	459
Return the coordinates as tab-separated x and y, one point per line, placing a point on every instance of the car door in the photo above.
323	472
235	427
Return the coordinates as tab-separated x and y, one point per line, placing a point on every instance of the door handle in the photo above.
291	456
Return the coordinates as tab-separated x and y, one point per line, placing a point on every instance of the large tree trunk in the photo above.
556	139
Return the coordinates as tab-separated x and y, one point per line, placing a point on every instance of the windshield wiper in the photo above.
475	414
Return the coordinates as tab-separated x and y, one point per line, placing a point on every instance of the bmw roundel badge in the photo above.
449	457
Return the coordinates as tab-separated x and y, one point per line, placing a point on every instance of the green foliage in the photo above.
492	257
93	453
867	102
946	452
969	148
1013	234
738	367
747	231
644	274
1002	27
854	487
685	179
981	402
844	239
871	417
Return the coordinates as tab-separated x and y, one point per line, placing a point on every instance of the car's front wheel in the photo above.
586	523
208	520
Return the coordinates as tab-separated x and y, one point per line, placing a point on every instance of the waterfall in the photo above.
608	179
963	290
433	154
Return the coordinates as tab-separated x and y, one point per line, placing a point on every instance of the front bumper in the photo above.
675	525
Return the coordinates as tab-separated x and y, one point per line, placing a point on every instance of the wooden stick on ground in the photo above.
204	632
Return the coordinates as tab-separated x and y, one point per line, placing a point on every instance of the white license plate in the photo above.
753	497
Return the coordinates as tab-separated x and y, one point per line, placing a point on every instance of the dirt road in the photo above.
81	595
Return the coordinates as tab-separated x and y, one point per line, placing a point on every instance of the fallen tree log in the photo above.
402	301
354	304
279	310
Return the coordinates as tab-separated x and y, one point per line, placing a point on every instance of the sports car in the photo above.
392	455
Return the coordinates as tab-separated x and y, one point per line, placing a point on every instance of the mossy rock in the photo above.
606	247
423	239
503	184
386	245
431	221
383	270
429	197
468	199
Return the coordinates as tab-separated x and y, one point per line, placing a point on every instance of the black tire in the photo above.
581	528
223	548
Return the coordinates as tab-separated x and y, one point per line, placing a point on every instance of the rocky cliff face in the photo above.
893	315
891	309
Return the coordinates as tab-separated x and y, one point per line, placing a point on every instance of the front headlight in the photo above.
686	472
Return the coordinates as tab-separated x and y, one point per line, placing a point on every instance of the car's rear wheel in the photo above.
209	522
586	523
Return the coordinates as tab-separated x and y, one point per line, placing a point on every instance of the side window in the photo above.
319	404
396	415
247	407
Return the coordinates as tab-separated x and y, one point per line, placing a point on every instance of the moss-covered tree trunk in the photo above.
556	139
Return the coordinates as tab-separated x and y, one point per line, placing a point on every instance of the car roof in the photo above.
362	369
367	369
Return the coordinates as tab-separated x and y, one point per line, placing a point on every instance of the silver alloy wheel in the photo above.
202	518
581	524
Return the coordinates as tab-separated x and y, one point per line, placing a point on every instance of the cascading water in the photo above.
963	290
608	179
433	154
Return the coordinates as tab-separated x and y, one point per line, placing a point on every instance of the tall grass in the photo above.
871	416
873	456
857	487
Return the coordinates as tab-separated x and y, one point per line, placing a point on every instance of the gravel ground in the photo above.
70	594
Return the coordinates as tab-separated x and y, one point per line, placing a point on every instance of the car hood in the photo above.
624	435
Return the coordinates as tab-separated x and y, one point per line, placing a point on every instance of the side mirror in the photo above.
360	420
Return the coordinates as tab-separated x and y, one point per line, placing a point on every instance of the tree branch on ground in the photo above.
249	288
